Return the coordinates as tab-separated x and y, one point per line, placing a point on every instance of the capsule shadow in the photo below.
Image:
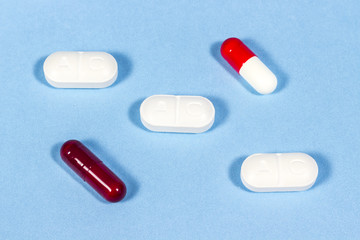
55	154
221	112
264	56
324	166
132	186
234	173
134	114
125	67
39	72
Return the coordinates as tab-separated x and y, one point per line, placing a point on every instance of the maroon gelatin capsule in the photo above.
92	170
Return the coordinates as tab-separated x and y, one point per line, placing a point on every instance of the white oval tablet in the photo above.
271	172
80	69
168	113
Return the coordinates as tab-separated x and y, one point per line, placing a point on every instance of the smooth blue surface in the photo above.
181	186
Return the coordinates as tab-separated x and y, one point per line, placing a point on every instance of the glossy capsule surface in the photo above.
93	171
248	65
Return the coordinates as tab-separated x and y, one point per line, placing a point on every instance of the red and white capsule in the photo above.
248	65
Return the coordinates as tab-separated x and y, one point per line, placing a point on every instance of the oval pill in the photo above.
80	69
248	65
273	172
92	170
169	113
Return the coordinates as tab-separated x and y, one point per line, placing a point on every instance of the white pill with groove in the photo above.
275	172
80	69
169	113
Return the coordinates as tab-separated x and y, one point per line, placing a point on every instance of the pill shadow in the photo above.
132	186
234	173
39	72
134	114
55	154
221	112
265	57
324	166
125	67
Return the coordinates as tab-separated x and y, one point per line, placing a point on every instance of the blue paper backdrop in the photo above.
181	186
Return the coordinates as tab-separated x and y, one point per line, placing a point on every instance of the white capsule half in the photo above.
80	69
258	75
168	113
275	172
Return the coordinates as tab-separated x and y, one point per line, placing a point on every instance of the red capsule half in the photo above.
235	52
248	65
90	168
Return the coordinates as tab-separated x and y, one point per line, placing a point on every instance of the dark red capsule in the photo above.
90	168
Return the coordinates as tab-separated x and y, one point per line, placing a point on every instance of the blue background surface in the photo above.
181	186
